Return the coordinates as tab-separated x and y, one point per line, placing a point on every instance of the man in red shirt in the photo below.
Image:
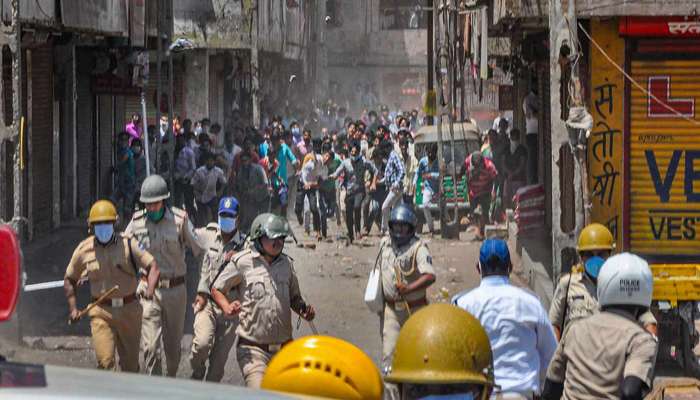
481	174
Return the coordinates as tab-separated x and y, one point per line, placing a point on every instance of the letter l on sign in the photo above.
660	87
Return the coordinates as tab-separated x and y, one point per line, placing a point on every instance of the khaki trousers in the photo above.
253	362
118	328
163	319
390	324
214	336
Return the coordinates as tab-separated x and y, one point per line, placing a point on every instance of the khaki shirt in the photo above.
106	266
597	353
268	294
411	260
166	239
582	301
216	250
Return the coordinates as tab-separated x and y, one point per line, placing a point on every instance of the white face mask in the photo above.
513	145
104	232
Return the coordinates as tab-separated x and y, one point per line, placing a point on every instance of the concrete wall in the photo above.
361	56
197	84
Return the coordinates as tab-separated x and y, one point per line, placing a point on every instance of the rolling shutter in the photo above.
41	136
664	159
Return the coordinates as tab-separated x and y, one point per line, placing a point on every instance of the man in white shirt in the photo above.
521	336
312	173
531	109
208	184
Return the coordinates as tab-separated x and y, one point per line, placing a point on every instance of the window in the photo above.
402	14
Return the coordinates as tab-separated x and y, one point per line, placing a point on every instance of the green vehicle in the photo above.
466	141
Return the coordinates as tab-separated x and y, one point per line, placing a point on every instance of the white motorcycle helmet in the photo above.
625	279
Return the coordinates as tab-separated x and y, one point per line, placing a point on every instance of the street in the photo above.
332	278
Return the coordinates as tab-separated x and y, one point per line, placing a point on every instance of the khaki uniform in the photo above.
597	353
410	262
117	321
268	293
214	333
164	315
582	300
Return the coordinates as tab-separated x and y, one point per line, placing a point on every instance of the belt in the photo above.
401	305
117	302
268	348
165	283
171	283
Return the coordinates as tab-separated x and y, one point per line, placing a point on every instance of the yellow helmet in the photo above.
442	344
324	366
595	237
102	211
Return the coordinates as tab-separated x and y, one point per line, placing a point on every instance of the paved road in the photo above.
332	277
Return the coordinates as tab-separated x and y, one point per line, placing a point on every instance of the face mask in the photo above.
593	266
227	224
513	145
295	131
156	216
356	158
104	232
197	130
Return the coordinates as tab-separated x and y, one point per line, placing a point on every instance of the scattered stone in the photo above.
39	344
453	270
311	246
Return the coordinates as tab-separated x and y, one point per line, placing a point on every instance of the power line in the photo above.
633	81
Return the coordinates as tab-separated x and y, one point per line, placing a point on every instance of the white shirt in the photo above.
314	170
521	336
204	183
530	106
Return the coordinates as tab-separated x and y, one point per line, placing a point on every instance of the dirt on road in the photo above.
332	277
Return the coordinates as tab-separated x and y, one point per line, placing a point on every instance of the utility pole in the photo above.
431	55
561	31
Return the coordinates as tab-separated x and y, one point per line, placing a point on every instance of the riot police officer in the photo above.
269	291
165	232
111	260
442	350
215	333
407	271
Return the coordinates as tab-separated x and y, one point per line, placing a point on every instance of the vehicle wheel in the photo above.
690	360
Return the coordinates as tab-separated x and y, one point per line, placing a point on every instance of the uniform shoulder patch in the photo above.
87	243
237	257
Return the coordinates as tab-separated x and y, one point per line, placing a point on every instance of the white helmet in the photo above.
625	279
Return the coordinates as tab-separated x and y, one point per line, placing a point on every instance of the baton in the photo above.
92	305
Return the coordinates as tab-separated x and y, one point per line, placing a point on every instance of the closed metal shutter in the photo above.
105	143
85	104
664	159
41	136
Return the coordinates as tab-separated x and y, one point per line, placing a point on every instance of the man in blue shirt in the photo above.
521	336
283	154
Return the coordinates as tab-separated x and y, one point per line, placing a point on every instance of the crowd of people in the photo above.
332	168
228	207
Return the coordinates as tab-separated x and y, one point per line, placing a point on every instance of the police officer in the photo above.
442	350
214	333
575	295
407	271
165	232
299	368
269	289
608	355
109	260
